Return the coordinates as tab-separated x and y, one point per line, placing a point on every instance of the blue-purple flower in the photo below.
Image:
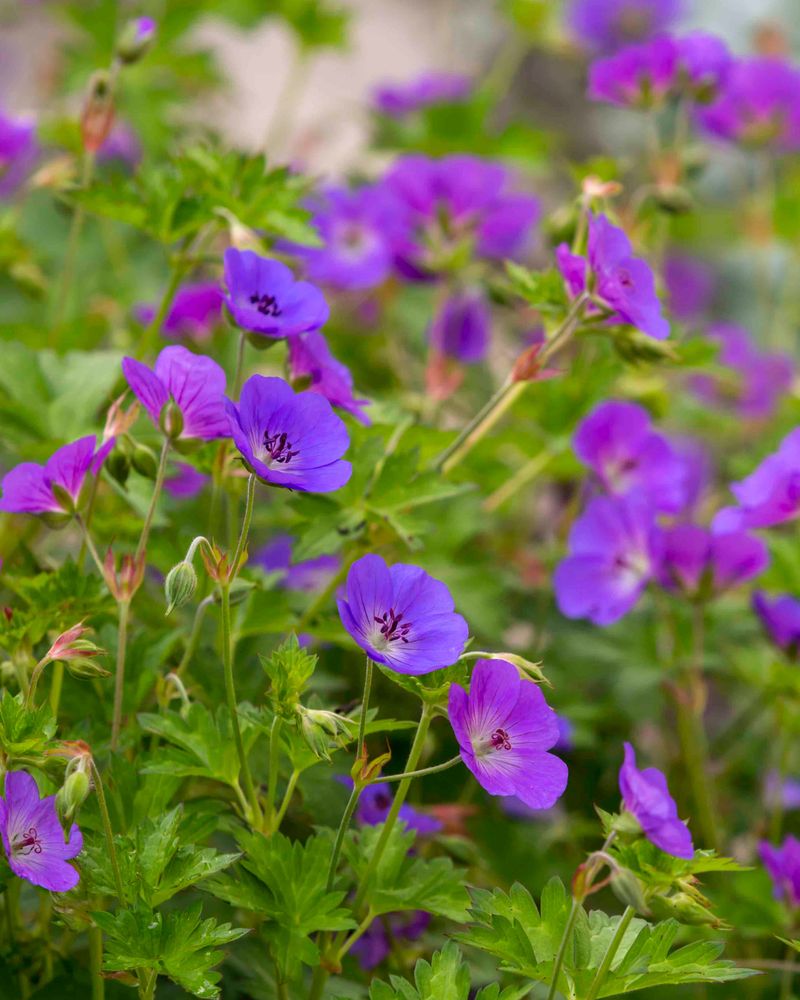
18	152
704	564
783	865
374	945
617	442
638	76
309	575
398	100
195	311
690	286
310	360
35	845
401	617
780	617
288	439
646	796
192	383
122	146
185	481
375	803
608	24
613	554
462	327
504	729
55	487
264	298
770	494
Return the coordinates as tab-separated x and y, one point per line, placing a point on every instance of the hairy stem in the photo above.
287	798
611	951
410	775
123	608
566	939
194	635
248	516
272	772
344	825
96	963
108	832
151	510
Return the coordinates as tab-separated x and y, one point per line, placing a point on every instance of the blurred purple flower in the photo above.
770	494
195	311
758	106
263	296
608	24
645	794
690	286
613	553
185	482
121	146
697	471
617	442
783	865
52	488
374	806
401	617
18	152
780	617
374	945
703	63
309	575
462	327
311	358
398	100
193	382
780	792
34	841
700	563
504	729
638	76
288	439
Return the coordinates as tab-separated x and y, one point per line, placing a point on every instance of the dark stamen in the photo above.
279	448
28	843
500	740
391	627
266	304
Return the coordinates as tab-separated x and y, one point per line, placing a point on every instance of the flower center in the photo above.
27	843
499	740
266	304
279	448
392	626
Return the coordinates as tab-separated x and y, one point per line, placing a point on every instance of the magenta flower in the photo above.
690	286
374	946
758	106
399	100
783	865
645	794
310	575
613	554
195	312
638	76
617	442
401	617
55	487
375	803
185	482
704	63
462	327
34	842
504	729
18	152
780	617
310	358
263	296
770	494
608	24
292	440
194	383
703	564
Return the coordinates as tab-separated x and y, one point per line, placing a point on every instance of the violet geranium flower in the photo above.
264	298
311	358
613	553
617	442
374	945
399	100
292	440
52	488
608	24
780	617
194	383
504	729
18	152
375	803
310	575
185	482
783	865
690	286
401	617
34	841
703	564
637	76
195	311
646	796
770	494
462	328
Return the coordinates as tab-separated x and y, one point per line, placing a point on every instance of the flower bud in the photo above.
85	667
144	460
683	908
118	465
171	420
72	795
180	585
136	38
98	112
320	728
629	890
71	645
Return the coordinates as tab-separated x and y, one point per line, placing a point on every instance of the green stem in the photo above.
87	538
255	817
356	935
151	510
13	919
119	675
56	684
150	336
566	939
108	831
89	513
526	472
36	673
784	749
611	951
237	380
272	772
148	979
344	824
194	635
96	963
248	516
362	719
417	774
287	798
788	975
70	256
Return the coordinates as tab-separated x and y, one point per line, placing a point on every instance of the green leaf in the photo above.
445	977
24	733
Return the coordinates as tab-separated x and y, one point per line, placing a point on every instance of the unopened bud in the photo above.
171	420
118	465
72	795
85	667
684	908
180	585
321	728
144	460
136	38
629	890
98	112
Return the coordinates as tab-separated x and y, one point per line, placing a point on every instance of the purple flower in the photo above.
462	327
311	358
18	152
645	794
195	311
613	553
185	482
374	945
375	803
638	76
704	62
770	494
617	442
194	383
402	99
145	28
783	793
690	286
780	617
504	729
698	562
783	865
359	230
35	845
121	146
608	24
456	200
292	440
401	617
310	575
758	106
52	488
263	296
